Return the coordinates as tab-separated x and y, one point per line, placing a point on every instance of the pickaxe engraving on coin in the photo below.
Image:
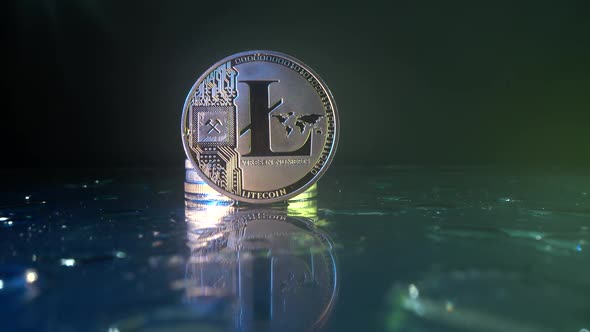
213	125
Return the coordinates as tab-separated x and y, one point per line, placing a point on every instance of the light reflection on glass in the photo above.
267	269
250	268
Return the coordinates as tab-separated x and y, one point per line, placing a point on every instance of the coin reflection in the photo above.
266	269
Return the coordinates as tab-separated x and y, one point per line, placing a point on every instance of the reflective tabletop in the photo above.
371	249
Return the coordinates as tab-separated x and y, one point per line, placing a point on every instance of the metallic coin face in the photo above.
260	126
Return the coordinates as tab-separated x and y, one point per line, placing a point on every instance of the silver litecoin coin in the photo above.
260	127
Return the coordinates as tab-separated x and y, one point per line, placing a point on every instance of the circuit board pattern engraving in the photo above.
212	128
218	88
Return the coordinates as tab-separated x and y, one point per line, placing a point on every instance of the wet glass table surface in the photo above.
377	249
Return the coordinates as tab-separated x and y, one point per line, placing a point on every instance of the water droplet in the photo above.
31	276
69	262
449	306
120	254
413	291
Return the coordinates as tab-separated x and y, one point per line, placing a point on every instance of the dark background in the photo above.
102	83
